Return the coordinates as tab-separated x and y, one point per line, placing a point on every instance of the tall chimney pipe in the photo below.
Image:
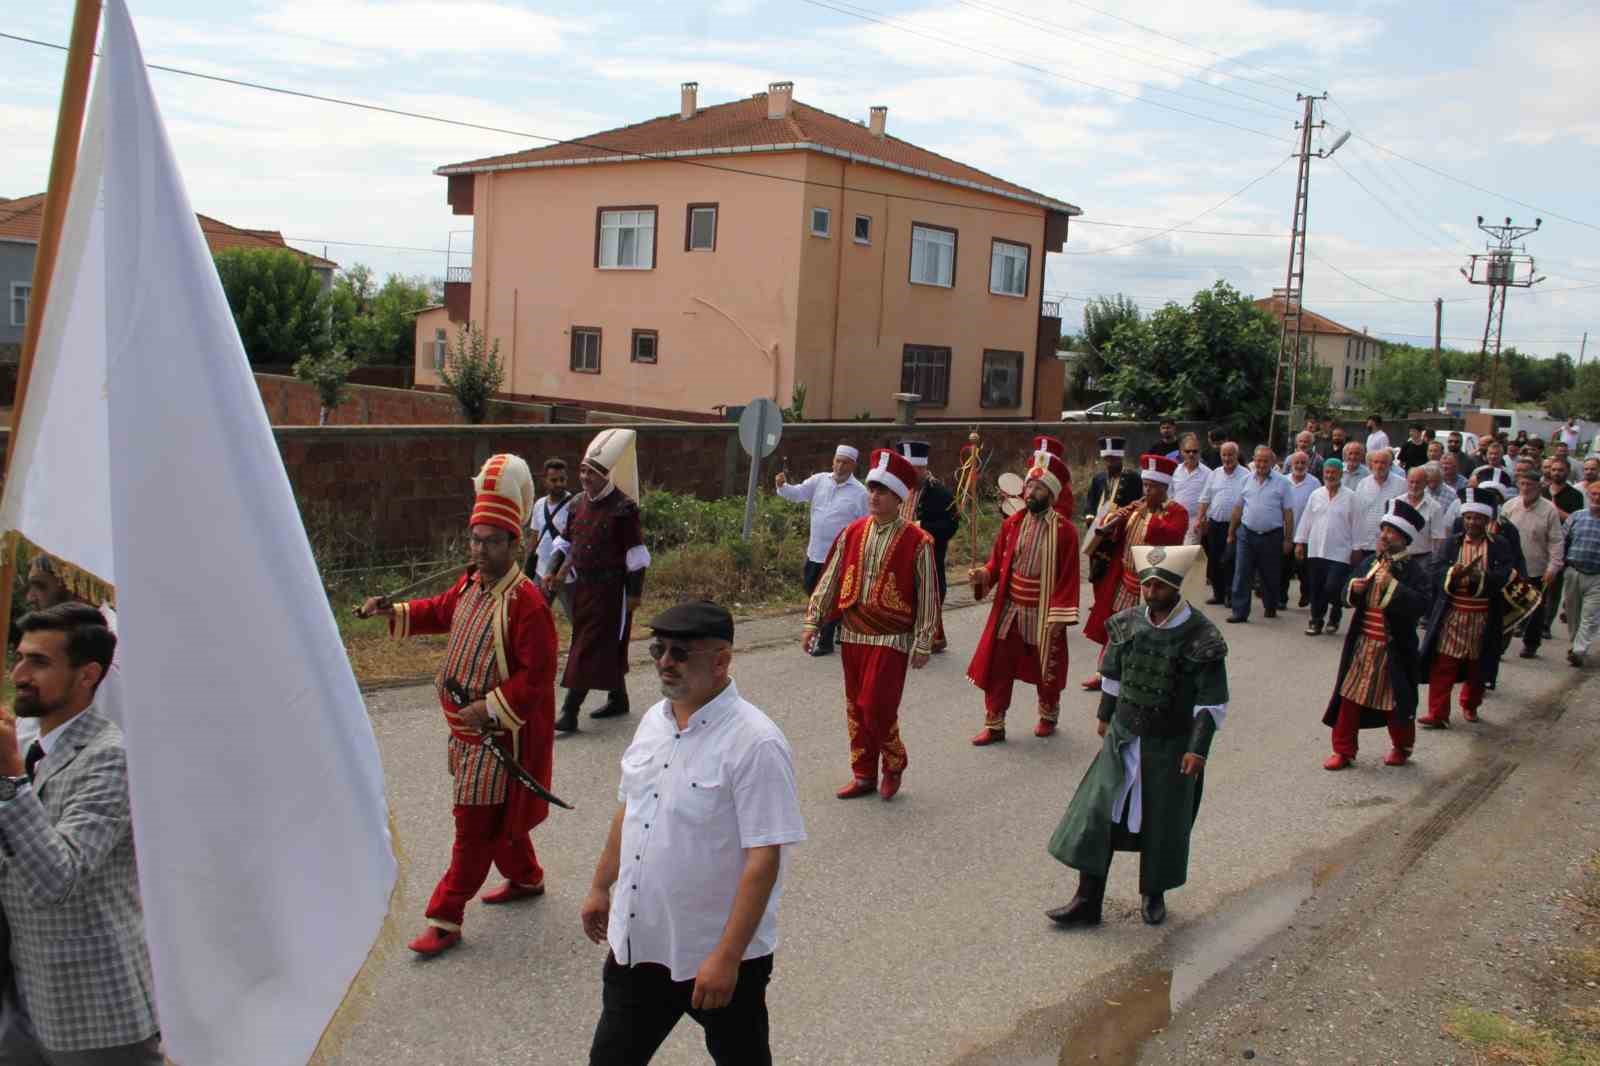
880	117
779	96
686	108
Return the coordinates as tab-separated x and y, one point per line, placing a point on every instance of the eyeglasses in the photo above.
489	542
678	652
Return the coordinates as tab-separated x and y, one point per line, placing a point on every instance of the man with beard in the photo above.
686	891
1378	676
1163	697
547	524
1033	569
81	988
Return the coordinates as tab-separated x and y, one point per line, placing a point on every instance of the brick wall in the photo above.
291	402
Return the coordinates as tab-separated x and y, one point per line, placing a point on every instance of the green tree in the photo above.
1101	317
329	374
277	303
1582	398
378	323
1406	379
1212	360
473	372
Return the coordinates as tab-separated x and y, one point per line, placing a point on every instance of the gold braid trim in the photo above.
81	583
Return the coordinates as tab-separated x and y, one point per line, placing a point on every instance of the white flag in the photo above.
145	458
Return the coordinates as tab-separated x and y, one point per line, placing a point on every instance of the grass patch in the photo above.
1502	1040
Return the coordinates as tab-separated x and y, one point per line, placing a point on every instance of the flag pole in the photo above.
63	166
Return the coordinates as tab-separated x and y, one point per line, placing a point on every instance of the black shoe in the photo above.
1154	909
1084	907
1214	602
819	650
1574	659
1528	653
614	707
1236	619
1271	612
1305	601
1314	629
567	720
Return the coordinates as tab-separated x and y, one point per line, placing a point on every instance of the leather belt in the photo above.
1144	721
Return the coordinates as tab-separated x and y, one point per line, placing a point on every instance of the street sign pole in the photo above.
755	470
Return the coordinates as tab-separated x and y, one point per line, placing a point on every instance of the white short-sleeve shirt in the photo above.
695	799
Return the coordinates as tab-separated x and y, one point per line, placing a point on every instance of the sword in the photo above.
388	598
458	696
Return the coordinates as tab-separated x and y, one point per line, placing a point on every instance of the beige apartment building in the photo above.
707	257
1349	355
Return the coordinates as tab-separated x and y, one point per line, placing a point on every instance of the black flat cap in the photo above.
696	618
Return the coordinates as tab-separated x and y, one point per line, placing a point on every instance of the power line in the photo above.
1381	202
364	244
1222	203
868	15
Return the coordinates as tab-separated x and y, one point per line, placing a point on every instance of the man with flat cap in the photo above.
1163	695
686	890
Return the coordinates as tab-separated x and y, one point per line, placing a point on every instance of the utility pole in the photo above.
1438	347
1290	335
1583	347
1506	265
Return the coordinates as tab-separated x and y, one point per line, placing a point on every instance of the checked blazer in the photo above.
70	892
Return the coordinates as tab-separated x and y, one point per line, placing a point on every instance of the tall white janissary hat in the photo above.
504	494
613	454
1166	565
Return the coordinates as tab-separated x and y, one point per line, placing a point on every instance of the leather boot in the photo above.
615	707
567	720
1154	909
1084	907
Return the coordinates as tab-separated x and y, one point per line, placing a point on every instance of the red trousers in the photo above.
480	842
1014	660
1347	728
874	678
1442	677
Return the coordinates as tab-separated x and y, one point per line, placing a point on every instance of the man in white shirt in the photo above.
547	524
1355	469
1376	437
1569	433
1301	485
1372	502
1217	501
1323	538
1432	534
1450	469
836	500
687	887
1188	482
1539	527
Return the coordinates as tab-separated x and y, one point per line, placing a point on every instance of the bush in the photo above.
672	520
735	573
473	372
329	374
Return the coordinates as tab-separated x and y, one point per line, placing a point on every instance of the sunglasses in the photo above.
679	653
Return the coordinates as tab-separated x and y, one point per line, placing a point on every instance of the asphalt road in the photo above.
912	931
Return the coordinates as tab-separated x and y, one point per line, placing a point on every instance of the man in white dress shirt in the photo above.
1372	502
836	500
1376	437
1188	482
1323	538
1217	501
1302	483
1433	533
687	887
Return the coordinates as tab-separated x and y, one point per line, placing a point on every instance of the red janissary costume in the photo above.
879	584
502	650
1141	525
1047	445
1033	569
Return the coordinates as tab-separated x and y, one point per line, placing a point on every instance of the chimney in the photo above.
686	109
880	115
779	96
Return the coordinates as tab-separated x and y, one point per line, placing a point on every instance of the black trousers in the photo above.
813	574
641	1004
1219	560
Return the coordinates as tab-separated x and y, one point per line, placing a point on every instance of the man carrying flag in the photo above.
1033	569
498	676
879	584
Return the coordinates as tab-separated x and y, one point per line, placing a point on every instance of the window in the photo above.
625	238
19	303
926	372
1008	269
585	349
821	222
1002	379
700	234
933	255
863	229
644	345
1347	379
441	343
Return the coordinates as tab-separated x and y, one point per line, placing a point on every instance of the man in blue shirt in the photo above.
1583	574
1256	532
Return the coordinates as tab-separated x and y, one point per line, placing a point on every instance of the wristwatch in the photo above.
9	786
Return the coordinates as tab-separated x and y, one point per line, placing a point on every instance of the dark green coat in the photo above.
1168	672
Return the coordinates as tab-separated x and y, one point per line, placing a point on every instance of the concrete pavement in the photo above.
912	932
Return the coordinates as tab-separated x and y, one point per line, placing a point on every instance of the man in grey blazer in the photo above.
79	991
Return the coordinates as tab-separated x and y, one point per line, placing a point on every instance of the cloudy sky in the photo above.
1146	114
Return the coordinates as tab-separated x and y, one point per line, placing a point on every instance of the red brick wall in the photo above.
291	402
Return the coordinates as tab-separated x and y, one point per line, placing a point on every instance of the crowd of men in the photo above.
1441	559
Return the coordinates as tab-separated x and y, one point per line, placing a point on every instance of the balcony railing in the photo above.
458	274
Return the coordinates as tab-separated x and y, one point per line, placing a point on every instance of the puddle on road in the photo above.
1115	1031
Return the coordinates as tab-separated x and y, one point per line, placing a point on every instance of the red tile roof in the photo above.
743	126
21	220
1310	321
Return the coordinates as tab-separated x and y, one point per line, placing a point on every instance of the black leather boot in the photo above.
1154	909
567	721
615	707
1084	908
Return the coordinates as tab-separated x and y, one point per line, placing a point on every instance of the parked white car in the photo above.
1104	411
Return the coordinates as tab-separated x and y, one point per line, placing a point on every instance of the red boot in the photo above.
1397	757
891	785
1337	762
1045	728
1093	684
857	788
988	735
1428	721
510	892
435	941
1469	713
